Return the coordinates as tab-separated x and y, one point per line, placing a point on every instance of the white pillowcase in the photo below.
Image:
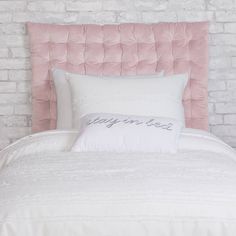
122	133
161	97
64	103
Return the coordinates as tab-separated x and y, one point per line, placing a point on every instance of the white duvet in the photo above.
47	191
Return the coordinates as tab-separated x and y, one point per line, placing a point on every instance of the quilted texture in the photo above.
125	49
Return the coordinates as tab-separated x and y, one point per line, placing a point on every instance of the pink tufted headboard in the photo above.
119	49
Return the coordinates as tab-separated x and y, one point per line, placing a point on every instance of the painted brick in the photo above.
115	5
17	132
151	5
11	28
224	74
234	62
3	75
3	52
105	17
51	6
195	15
230	140
84	6
20	52
231	84
220	62
23	17
230	27
223	39
9	98
222	96
5	17
13	41
24	87
219	4
216	85
211	108
100	17
225	16
216	28
230	119
6	110
216	119
18	75
7	87
15	121
150	17
23	109
224	130
45	17
14	63
127	16
225	108
223	50
12	5
186	4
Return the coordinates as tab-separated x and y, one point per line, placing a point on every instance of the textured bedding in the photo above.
47	191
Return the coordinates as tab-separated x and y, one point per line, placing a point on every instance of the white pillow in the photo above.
122	133
64	106
160	97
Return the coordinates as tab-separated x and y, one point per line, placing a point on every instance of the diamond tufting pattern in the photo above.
126	49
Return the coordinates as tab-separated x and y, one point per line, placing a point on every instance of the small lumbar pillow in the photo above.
161	97
64	103
123	133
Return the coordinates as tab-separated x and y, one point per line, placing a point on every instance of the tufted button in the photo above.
190	42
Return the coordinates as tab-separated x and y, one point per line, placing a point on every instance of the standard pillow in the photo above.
161	97
123	133
64	106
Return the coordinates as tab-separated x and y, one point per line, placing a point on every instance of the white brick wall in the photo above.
15	74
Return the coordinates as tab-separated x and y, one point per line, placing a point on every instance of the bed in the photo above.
47	190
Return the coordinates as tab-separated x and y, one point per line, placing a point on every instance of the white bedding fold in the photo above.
46	190
62	140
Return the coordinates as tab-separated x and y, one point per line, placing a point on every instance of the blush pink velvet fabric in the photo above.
126	49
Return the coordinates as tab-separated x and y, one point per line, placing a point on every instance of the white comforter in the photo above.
47	191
